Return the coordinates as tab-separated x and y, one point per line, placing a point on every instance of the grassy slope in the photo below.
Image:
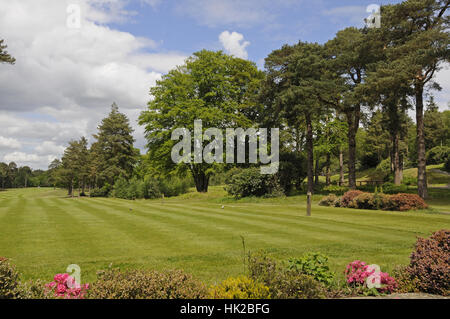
42	231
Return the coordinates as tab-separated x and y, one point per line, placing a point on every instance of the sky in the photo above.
76	57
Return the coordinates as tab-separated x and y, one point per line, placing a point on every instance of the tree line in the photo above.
341	106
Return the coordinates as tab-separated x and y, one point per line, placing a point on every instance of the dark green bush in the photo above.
101	192
284	283
174	186
315	265
250	182
335	189
438	155
144	284
9	280
390	188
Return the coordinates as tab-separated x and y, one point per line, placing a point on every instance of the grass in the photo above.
42	231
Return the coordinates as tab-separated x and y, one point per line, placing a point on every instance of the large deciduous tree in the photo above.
211	86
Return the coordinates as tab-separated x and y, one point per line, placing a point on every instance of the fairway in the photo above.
43	231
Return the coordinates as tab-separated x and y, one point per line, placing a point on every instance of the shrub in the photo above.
64	286
430	263
390	188
358	273
33	290
240	288
348	197
335	189
142	284
250	182
406	282
101	192
405	202
438	155
364	201
9	280
284	283
330	200
410	181
174	186
315	265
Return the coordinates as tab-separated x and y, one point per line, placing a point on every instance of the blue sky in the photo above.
267	25
65	79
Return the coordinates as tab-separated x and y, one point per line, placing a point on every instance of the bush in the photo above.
410	181
358	273
284	283
364	201
174	186
142	284
330	200
406	283
335	189
430	263
9	280
250	182
64	286
239	288
33	290
438	155
348	197
101	192
405	202
315	265
390	188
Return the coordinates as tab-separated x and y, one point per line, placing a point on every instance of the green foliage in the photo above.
9	280
335	189
315	265
390	188
5	57
438	155
211	86
283	282
447	165
406	282
145	284
239	288
101	192
250	182
174	186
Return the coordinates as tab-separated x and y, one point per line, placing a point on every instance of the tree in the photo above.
114	147
12	173
296	82
211	86
436	126
417	39
52	172
23	175
5	57
351	55
3	173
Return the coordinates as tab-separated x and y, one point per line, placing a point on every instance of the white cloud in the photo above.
350	15
234	44
9	143
65	79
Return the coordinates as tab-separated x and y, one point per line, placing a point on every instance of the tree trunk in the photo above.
316	171
421	157
396	158
353	125
200	179
310	152
328	175
341	167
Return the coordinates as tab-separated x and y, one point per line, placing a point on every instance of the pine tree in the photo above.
5	57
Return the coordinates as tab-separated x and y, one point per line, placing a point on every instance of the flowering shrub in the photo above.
404	202
330	200
9	280
358	273
348	198
240	288
364	201
65	286
430	263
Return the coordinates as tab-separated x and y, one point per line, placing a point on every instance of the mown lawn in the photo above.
42	232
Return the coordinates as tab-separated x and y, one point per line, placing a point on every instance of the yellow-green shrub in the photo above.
239	288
